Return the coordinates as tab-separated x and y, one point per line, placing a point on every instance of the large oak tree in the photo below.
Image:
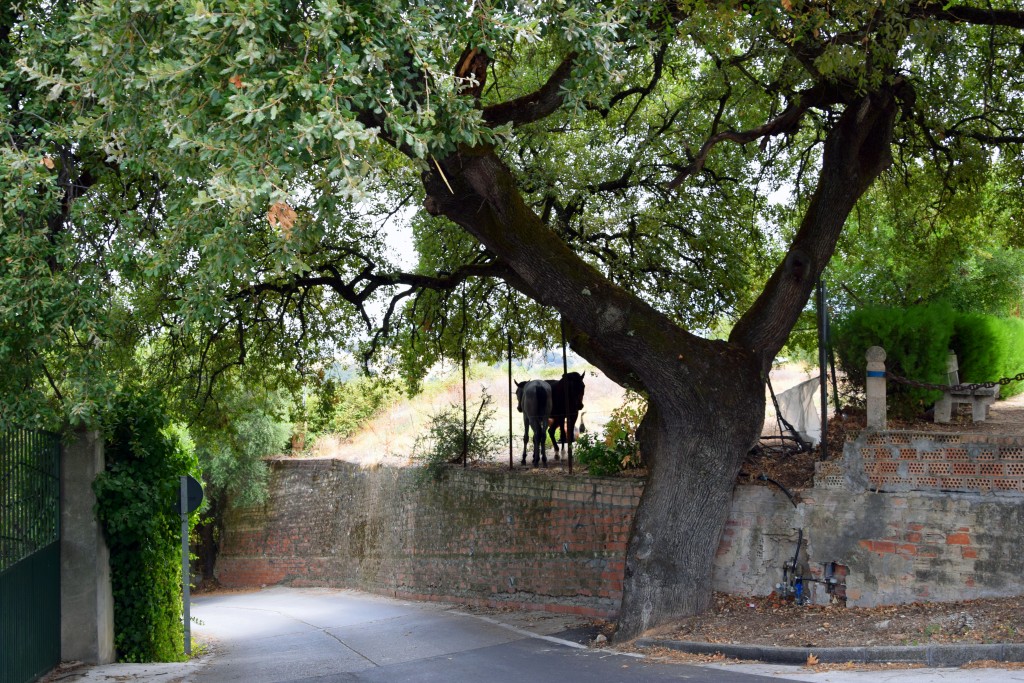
210	181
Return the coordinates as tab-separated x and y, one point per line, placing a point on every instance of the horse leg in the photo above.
526	439
552	425
540	434
543	449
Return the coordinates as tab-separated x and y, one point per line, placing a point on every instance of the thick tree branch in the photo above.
536	105
968	15
786	122
857	150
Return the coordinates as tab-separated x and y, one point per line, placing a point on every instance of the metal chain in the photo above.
958	388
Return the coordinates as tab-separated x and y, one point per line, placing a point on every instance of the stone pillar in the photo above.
86	597
875	388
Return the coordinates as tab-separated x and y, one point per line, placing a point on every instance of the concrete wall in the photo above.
558	543
86	598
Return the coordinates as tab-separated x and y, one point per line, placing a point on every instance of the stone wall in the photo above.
922	516
554	542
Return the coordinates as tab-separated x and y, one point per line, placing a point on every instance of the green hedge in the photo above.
916	341
135	503
990	348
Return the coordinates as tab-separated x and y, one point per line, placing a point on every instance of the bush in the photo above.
442	444
619	450
916	341
989	348
135	504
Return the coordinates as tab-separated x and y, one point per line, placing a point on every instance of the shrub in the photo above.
989	348
916	341
620	449
599	458
135	504
442	444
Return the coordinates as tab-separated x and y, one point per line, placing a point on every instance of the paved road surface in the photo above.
313	635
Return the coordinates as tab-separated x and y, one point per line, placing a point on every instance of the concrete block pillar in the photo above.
875	388
86	597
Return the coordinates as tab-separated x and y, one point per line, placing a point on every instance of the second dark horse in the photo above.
567	402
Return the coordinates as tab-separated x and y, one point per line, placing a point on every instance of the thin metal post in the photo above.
185	573
565	397
510	465
565	361
822	367
465	417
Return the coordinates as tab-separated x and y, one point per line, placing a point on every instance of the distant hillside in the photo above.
388	439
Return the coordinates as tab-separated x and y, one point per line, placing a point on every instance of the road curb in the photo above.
929	655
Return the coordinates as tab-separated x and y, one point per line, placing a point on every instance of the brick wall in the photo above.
922	516
558	543
929	461
550	542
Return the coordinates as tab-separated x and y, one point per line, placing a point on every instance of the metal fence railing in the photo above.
29	493
29	554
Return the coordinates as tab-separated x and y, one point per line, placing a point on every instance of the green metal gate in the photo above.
29	554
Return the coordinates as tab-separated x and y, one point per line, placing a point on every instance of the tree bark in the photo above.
706	398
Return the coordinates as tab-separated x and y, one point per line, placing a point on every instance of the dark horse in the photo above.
567	399
535	403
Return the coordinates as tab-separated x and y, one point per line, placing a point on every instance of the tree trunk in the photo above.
706	398
694	447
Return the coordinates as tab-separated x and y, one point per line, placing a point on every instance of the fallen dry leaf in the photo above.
811	660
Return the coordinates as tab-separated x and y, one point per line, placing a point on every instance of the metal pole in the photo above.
831	352
185	574
510	465
565	397
822	367
465	418
565	361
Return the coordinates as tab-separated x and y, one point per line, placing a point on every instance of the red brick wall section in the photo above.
548	542
523	539
927	461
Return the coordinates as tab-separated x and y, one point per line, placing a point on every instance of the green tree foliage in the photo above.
248	426
136	505
903	248
228	172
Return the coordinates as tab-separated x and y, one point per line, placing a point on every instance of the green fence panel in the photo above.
29	554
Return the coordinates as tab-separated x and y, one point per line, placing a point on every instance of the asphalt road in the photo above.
288	635
306	635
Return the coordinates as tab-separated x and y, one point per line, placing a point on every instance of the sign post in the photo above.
189	498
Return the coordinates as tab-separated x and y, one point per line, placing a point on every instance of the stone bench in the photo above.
980	398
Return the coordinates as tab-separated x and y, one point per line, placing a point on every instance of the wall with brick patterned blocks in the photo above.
549	542
558	543
922	516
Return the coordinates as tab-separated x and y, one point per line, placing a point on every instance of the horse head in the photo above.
576	388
